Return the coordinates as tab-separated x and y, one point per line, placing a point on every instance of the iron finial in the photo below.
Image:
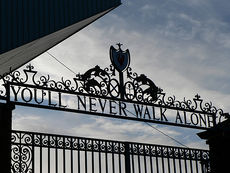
197	97
119	45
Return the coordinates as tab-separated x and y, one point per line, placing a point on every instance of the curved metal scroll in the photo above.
105	83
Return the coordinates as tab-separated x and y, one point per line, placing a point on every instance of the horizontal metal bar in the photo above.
2	98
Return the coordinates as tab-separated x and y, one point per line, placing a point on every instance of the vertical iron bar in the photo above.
157	164
132	151
163	164
162	160
168	159
202	167
5	132
179	154
122	89
190	157
106	157
6	127
151	161
138	158
99	147
113	167
145	166
79	157
64	167
33	152
196	162
86	156
56	154
20	153
92	156
7	95
71	155
214	120
49	154
40	153
185	162
202	163
197	167
127	157
174	161
119	157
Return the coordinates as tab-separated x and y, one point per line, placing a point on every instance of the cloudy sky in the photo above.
182	45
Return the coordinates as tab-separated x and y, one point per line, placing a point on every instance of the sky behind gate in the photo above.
182	45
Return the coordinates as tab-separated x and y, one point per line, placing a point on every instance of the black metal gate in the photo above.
100	92
48	153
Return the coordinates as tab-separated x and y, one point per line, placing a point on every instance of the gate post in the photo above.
218	138
127	158
5	136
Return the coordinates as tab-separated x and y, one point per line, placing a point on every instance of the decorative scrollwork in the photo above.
169	152
24	145
21	158
128	85
97	81
65	142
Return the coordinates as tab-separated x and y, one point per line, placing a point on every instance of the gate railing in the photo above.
48	153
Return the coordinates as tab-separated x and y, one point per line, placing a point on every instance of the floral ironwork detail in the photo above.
21	155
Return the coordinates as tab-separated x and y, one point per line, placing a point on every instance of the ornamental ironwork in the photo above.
40	152
102	92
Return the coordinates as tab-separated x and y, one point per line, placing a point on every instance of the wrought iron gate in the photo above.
48	153
101	92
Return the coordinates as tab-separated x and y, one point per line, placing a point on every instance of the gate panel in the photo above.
41	153
165	159
48	153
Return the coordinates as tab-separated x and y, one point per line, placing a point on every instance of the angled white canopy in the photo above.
29	28
15	58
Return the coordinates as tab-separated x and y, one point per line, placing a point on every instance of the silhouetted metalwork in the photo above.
102	92
97	82
127	87
39	152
